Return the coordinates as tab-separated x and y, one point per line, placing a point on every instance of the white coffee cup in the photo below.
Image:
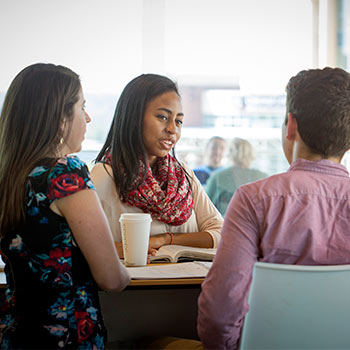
135	230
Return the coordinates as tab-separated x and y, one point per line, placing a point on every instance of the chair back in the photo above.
298	307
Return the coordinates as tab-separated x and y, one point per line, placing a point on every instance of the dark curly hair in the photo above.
319	99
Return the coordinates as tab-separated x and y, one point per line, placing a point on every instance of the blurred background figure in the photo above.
223	183
214	152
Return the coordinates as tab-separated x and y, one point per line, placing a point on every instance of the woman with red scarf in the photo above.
135	171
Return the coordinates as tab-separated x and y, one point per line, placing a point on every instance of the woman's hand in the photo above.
156	241
119	246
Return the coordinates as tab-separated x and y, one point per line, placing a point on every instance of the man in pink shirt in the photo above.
298	217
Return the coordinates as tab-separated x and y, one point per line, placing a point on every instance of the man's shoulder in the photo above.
268	185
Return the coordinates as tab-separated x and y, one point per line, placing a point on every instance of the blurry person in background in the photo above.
214	152
223	183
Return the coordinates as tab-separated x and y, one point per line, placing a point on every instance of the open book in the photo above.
177	253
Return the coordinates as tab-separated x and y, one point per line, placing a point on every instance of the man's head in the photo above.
215	150
319	100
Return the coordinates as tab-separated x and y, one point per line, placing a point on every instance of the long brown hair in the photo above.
124	141
37	104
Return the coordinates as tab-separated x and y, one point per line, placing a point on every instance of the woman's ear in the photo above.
63	124
292	127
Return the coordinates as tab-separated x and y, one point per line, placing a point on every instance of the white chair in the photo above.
298	307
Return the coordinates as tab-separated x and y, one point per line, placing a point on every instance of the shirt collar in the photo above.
321	166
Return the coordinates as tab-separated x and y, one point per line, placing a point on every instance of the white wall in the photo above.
108	42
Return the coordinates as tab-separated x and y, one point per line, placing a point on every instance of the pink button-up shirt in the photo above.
298	217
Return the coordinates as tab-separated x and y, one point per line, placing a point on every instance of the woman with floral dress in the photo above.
55	239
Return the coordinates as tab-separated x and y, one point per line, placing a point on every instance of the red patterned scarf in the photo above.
165	193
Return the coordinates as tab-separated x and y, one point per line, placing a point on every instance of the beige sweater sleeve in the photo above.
104	184
208	217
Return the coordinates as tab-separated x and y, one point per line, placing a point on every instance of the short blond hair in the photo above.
242	152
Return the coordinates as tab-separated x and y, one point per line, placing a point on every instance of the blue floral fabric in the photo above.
51	300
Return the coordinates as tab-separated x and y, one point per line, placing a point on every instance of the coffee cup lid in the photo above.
135	217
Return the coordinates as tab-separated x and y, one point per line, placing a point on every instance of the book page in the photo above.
176	251
184	270
2	264
2	278
163	254
206	264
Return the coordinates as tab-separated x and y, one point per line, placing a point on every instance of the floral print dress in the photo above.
51	300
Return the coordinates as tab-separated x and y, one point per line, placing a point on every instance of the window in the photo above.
231	59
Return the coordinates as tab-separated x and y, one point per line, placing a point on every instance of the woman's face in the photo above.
162	122
72	143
